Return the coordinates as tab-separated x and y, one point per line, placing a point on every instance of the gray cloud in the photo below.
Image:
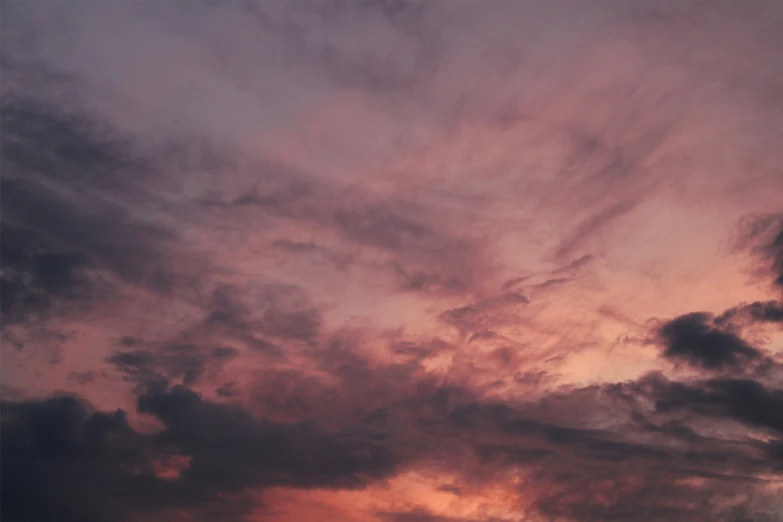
56	451
693	339
63	222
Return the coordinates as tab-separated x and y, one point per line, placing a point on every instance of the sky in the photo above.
389	261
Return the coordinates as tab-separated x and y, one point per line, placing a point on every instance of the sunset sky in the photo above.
385	261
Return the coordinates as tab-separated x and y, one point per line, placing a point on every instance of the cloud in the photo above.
675	449
486	314
659	454
405	240
763	234
292	246
62	460
670	448
693	339
744	400
231	450
756	312
277	311
33	278
66	233
149	365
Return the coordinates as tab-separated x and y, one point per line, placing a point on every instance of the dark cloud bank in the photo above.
64	461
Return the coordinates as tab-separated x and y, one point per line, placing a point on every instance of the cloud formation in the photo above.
693	339
61	459
392	261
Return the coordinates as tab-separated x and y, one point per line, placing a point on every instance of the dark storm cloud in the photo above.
64	461
63	226
693	338
230	449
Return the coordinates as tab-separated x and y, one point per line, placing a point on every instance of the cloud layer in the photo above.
410	262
